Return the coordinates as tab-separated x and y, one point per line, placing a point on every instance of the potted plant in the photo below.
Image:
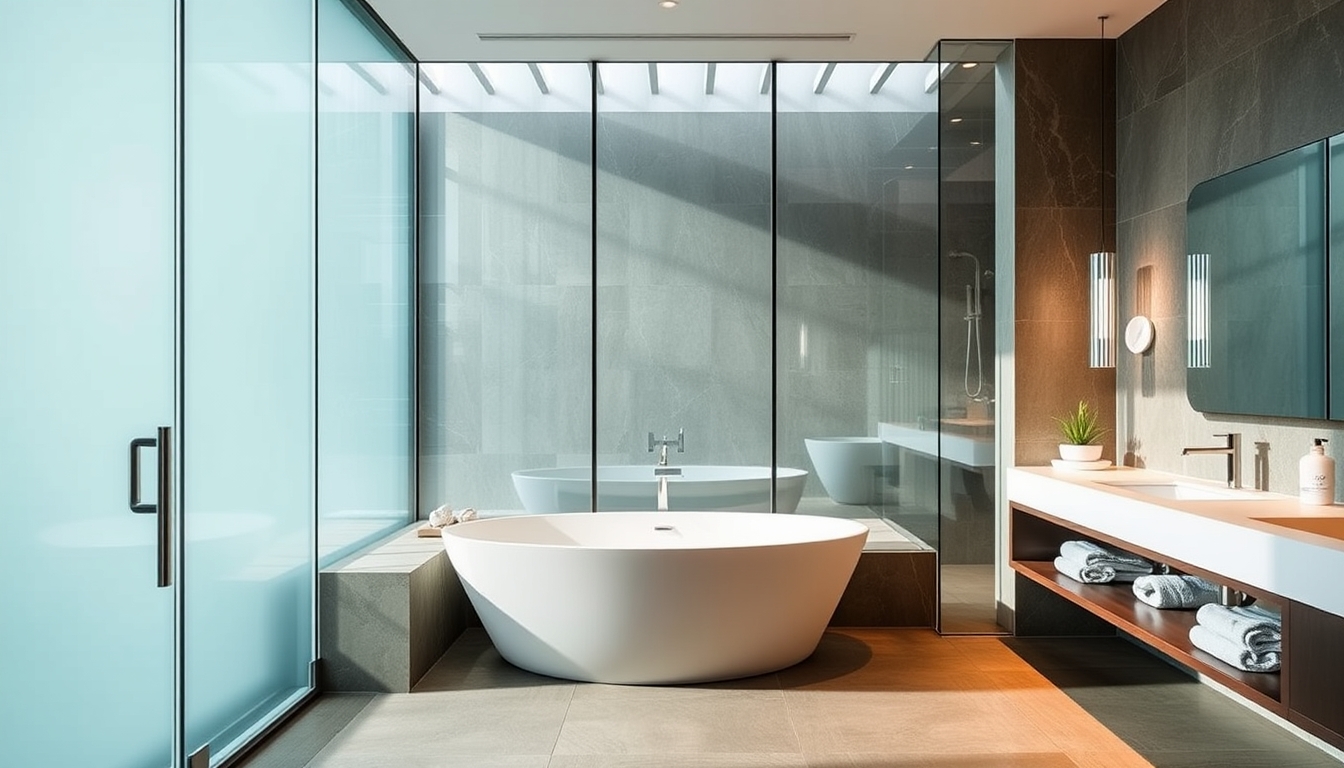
1080	431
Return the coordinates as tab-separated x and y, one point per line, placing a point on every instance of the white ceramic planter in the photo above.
1070	452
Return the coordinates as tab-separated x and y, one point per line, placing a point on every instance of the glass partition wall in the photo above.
967	290
732	268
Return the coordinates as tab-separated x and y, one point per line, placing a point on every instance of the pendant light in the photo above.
1101	272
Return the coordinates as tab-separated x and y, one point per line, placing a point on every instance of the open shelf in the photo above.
1164	629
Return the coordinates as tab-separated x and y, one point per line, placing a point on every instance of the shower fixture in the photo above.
972	318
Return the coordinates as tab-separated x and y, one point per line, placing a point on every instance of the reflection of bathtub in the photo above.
655	598
633	488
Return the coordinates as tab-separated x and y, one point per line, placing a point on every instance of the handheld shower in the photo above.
972	318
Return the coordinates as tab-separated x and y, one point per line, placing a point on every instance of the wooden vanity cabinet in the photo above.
1314	684
1308	691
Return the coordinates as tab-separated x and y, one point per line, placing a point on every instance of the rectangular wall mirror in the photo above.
1256	288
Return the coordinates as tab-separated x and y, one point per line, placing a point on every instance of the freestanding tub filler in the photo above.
655	597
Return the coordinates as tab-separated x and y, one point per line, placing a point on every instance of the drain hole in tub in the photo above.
662	527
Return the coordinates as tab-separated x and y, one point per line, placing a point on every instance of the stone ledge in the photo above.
388	613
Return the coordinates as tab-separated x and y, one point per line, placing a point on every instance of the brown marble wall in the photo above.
1205	87
890	589
1065	211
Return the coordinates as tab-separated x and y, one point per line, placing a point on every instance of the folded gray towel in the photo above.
1091	553
1095	574
1253	629
1232	653
1175	591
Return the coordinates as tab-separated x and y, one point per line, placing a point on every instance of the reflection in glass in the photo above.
505	355
684	293
857	290
966	415
365	164
1197	309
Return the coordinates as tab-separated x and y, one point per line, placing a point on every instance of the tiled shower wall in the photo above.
1205	87
684	302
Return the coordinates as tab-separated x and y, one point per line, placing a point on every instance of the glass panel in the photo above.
857	282
506	286
967	488
86	339
248	440
684	297
1263	228
366	112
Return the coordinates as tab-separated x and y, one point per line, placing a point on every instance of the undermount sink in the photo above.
1322	526
1179	491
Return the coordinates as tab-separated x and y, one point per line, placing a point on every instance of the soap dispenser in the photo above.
1316	476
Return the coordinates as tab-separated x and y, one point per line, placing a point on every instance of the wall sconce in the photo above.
1197	310
1101	345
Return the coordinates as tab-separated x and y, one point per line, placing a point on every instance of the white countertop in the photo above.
1222	536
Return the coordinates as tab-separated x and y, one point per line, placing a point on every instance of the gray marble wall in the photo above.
684	289
1205	87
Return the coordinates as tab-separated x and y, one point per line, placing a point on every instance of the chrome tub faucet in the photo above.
663	443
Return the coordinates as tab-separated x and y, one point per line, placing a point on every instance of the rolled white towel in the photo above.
442	516
1175	591
465	515
1094	574
1254	629
1091	553
1230	652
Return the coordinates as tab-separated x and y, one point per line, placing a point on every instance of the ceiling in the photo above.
733	30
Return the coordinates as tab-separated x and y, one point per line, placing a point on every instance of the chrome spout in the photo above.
1233	452
662	473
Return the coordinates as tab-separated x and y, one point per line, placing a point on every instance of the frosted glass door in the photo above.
248	367
86	366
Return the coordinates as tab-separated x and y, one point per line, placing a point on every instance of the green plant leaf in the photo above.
1080	427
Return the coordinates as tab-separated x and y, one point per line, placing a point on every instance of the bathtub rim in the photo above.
461	531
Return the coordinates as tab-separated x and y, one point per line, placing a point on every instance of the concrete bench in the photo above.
388	612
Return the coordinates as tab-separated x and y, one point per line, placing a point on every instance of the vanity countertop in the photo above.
1223	535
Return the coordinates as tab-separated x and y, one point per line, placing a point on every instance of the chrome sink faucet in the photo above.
1233	452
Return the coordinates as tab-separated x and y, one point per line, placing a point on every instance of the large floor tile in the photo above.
699	721
926	760
299	740
683	760
508	721
473	663
939	722
419	759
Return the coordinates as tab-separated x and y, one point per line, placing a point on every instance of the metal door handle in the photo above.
165	508
136	504
162	508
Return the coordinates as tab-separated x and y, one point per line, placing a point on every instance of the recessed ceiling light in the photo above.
955	120
964	64
909	167
975	143
667	3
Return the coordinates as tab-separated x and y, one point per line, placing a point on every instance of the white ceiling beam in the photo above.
481	78
539	78
823	77
710	71
880	76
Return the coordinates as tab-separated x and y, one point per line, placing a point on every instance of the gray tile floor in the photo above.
867	698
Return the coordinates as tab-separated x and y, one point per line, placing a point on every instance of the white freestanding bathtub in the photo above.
655	597
634	488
